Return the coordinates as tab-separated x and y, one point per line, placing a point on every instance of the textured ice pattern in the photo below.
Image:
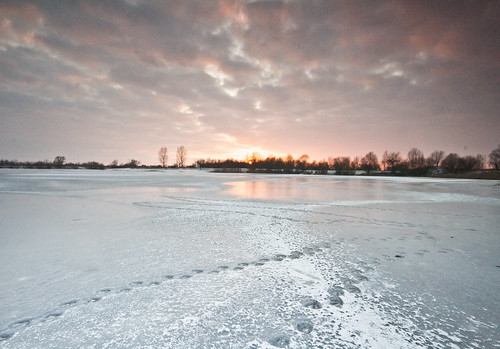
188	259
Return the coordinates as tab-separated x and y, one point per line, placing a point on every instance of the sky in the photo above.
119	79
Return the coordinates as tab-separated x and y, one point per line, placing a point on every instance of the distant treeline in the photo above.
57	163
270	164
60	163
392	163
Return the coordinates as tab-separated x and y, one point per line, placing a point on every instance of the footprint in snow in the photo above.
352	289
24	322
313	304
5	336
54	315
280	341
305	326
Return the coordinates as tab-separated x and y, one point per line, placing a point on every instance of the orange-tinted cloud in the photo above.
320	77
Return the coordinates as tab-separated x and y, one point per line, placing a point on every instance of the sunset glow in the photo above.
96	80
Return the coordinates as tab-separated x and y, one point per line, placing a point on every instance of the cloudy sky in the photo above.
118	79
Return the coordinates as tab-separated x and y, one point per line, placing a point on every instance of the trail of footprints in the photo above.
335	292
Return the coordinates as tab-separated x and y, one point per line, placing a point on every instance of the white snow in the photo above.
191	259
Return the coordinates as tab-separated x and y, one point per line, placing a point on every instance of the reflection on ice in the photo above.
311	189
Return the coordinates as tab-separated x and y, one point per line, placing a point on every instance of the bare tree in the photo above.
435	158
450	162
289	163
416	158
342	165
494	158
369	162
455	163
163	156
392	159
301	162
304	158
255	158
355	163
181	156
479	162
331	161
470	163
384	159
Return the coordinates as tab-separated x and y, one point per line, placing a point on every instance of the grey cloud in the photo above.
321	76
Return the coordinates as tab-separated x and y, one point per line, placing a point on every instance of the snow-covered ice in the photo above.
191	259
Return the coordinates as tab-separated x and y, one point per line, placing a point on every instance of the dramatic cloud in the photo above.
104	80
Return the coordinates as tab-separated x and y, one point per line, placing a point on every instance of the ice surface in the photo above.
190	259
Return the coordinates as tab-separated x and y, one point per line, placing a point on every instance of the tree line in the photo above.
59	162
391	163
414	164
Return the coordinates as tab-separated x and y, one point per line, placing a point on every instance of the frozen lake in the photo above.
190	259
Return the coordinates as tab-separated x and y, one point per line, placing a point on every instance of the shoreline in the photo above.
482	175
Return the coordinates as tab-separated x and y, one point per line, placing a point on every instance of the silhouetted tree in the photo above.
435	158
331	161
312	166
494	158
470	163
289	163
59	161
269	163
279	164
322	167
369	162
301	163
384	160
356	163
253	160
402	167
450	162
480	161
342	165
163	156
455	163
181	156
391	160
416	158
132	164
